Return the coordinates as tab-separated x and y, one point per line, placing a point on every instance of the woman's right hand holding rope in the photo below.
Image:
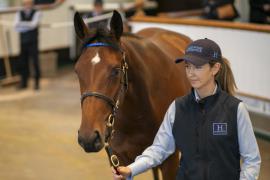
122	173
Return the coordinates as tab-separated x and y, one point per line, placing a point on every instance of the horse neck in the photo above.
136	66
136	101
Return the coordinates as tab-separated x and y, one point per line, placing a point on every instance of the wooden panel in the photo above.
202	22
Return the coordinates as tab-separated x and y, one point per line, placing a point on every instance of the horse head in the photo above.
101	70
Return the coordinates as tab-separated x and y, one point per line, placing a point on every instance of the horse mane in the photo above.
132	35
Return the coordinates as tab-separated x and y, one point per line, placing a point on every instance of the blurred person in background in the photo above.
26	23
220	10
260	11
97	11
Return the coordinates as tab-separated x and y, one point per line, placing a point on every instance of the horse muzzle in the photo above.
94	143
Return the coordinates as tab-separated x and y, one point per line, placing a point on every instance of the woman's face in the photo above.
201	76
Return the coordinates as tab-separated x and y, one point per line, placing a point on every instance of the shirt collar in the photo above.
198	98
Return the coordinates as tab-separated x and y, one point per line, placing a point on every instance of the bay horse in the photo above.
132	79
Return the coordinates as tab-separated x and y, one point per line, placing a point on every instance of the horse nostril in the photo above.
93	143
97	138
97	141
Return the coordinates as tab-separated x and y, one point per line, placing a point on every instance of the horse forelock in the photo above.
100	34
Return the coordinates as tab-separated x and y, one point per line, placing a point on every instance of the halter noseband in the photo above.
114	104
98	95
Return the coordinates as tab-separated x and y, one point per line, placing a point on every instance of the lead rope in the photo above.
113	159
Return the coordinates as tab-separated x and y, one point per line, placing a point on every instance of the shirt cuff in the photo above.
139	166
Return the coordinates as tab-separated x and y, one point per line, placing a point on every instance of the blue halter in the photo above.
98	44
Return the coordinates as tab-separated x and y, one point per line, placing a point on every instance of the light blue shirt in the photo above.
164	145
24	26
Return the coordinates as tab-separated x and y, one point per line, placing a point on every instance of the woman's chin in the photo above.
195	84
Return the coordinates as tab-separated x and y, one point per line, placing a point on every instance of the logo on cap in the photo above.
194	49
215	55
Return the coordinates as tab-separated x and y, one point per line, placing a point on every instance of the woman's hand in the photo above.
124	172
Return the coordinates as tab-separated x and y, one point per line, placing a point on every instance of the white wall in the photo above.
248	52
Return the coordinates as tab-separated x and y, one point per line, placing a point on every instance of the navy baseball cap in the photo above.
200	52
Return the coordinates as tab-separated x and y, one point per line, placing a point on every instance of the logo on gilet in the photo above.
220	129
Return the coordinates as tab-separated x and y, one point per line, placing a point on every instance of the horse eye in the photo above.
115	72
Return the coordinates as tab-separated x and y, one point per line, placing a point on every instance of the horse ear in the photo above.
81	29
116	25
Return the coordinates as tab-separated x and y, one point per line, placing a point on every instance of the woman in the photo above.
210	127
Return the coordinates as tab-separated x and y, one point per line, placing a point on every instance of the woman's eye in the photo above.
187	66
198	67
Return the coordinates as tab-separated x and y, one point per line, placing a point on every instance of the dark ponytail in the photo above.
225	76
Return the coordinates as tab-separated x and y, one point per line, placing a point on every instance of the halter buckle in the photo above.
110	121
113	131
117	104
106	144
114	160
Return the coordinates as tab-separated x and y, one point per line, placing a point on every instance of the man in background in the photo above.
220	10
260	11
97	11
26	23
